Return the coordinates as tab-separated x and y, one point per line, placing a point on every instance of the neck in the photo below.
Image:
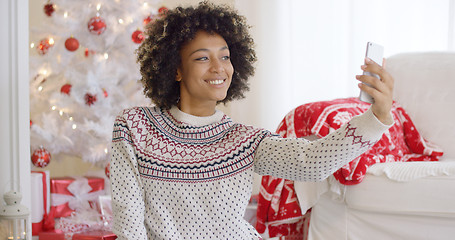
200	110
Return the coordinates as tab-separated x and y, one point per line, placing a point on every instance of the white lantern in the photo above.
15	214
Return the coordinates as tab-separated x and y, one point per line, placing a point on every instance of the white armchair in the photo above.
402	200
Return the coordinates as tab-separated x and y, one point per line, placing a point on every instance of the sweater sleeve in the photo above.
127	191
303	160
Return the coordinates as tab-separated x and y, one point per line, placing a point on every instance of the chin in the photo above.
220	98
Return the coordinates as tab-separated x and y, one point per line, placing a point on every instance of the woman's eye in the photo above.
226	58
202	58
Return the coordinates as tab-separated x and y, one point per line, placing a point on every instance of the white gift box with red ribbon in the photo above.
69	194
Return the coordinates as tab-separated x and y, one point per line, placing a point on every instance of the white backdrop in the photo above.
311	50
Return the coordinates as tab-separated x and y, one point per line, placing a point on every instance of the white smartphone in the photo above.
374	52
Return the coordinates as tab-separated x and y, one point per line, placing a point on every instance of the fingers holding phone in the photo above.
377	83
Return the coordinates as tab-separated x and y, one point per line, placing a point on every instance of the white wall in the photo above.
261	107
14	100
311	50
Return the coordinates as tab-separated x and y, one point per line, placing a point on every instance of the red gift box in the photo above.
41	203
86	235
69	194
52	235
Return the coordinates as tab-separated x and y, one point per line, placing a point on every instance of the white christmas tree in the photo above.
85	72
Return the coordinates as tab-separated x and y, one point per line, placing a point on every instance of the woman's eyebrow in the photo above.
199	50
207	50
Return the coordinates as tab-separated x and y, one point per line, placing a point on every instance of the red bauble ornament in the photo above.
150	19
90	99
96	25
137	36
49	9
41	157
89	52
163	10
147	20
66	89
107	170
71	44
44	46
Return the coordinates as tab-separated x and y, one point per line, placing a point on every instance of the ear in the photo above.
178	77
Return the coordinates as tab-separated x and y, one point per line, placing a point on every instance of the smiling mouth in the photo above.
216	82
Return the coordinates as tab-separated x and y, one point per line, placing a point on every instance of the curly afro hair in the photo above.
159	54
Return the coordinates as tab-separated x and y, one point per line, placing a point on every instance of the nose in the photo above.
216	66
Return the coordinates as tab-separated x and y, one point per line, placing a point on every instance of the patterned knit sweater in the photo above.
178	176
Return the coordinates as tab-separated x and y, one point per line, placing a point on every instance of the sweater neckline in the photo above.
196	121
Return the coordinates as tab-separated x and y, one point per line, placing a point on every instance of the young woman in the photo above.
184	170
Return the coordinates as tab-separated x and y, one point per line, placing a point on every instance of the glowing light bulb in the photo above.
53	108
105	150
51	41
120	21
98	6
146	4
74	126
32	45
44	72
71	118
60	112
106	56
65	15
40	88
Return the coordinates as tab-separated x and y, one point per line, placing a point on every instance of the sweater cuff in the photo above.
387	126
369	126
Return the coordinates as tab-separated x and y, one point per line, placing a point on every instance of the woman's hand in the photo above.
381	89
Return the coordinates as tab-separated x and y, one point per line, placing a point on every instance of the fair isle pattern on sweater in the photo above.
169	150
175	176
350	132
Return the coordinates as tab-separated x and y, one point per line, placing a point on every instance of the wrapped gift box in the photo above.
86	235
40	191
69	194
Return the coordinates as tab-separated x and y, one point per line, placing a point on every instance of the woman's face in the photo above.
206	71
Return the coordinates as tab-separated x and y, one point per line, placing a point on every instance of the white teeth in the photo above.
216	82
